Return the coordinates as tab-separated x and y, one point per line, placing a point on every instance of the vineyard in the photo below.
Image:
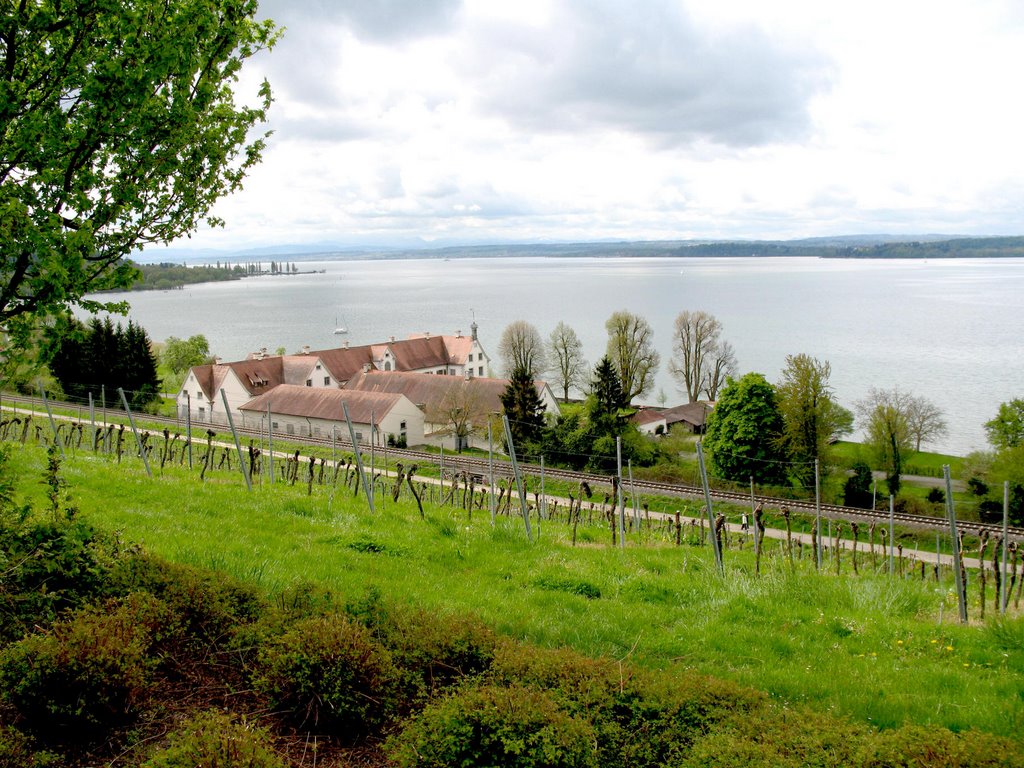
865	632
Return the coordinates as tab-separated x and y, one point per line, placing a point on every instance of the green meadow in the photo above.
879	650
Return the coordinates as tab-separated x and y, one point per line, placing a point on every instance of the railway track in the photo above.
503	470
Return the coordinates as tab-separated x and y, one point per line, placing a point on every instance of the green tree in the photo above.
88	358
744	432
631	350
118	129
180	355
1006	430
524	409
857	489
811	418
565	359
887	430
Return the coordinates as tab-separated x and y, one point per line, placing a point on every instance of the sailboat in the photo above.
339	330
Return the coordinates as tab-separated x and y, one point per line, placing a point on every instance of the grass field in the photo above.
881	651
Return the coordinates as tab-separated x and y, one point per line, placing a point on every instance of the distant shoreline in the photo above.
928	247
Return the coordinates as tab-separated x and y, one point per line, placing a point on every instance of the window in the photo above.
202	412
440	371
273	424
327	381
359	437
199	395
387	365
316	430
402	426
318	366
290	429
481	370
309	382
471	357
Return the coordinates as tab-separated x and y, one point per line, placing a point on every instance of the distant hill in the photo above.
878	246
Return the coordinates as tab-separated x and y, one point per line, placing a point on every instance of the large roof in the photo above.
692	413
324	403
426	389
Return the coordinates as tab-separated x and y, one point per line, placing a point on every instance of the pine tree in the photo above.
524	409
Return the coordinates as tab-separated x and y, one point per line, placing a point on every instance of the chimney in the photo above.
345	344
426	334
458	334
305	349
217	360
391	339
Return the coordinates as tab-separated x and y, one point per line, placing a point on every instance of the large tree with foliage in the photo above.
1006	429
100	357
181	354
521	348
565	359
631	350
744	431
118	128
887	431
811	418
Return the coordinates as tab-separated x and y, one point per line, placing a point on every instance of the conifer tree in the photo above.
524	409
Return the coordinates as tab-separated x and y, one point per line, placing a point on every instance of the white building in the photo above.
317	412
454	355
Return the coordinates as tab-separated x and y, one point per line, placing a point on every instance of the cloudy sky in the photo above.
454	121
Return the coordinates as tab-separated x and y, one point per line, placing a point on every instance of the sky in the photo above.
438	122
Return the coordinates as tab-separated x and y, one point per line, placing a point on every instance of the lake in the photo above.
950	330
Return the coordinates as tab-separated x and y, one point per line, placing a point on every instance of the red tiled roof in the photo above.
324	403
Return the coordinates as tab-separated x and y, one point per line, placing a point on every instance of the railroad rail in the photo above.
503	470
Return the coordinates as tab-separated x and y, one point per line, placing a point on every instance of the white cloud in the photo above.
566	119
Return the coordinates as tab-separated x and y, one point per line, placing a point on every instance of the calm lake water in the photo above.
950	330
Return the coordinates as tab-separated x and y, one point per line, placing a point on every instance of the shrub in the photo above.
514	726
89	673
431	650
16	751
640	719
207	606
52	568
920	747
213	739
327	671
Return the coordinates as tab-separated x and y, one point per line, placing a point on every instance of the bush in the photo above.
52	568
920	747
329	672
515	727
207	606
16	751
89	673
639	719
213	739
432	651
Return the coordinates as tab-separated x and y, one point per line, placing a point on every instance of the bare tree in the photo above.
887	430
631	350
565	359
695	349
925	420
722	366
521	347
460	412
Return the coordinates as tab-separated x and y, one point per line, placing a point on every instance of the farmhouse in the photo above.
650	421
447	399
455	355
690	416
317	412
